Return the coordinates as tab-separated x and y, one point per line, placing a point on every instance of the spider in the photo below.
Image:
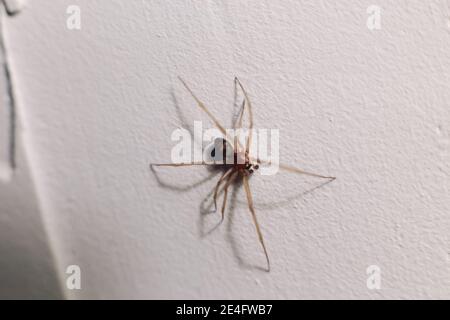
243	165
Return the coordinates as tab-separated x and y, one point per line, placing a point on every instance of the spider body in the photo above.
246	168
240	161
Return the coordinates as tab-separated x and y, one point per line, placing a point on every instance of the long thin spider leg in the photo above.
295	170
179	164
230	180
216	190
238	125
255	220
300	171
203	107
250	116
238	122
211	116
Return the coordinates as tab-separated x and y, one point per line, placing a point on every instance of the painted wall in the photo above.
27	263
370	107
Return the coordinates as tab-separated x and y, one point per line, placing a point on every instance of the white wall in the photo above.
370	107
27	263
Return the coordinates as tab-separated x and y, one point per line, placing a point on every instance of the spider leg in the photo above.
238	122
203	107
216	190
178	164
211	116
300	171
250	115
225	192
295	170
255	220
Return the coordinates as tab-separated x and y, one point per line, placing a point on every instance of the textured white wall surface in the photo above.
98	104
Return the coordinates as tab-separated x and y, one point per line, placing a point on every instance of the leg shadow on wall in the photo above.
206	210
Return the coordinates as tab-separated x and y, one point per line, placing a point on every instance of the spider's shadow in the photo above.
206	210
236	110
287	200
182	117
234	244
214	170
174	187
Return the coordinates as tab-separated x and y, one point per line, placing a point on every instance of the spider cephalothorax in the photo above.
251	167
